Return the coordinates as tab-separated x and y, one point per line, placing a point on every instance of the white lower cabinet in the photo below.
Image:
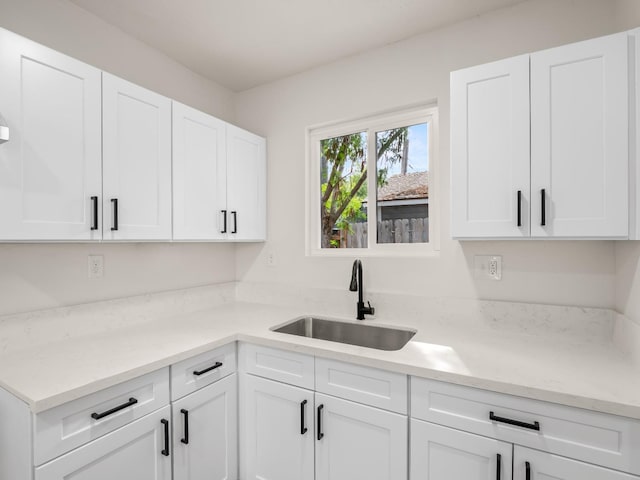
138	451
457	432
205	437
293	433
443	453
359	441
276	430
531	464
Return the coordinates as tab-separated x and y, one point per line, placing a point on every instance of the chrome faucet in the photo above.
356	285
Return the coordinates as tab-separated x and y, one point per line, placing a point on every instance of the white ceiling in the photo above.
244	43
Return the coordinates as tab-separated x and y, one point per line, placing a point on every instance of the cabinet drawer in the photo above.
288	367
73	424
366	385
132	452
594	437
202	370
545	465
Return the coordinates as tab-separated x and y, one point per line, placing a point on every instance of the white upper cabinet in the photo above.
579	139
246	185
490	150
136	162
199	175
50	169
578	144
87	156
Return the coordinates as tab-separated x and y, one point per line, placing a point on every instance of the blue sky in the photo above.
418	150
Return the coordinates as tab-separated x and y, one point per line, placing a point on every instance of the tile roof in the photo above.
403	187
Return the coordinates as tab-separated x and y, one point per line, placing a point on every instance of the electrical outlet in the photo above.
96	266
488	266
271	259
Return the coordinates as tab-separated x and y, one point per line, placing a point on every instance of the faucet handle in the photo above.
370	309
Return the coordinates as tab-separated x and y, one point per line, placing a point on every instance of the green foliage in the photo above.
344	174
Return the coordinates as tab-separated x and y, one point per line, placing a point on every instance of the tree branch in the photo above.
352	194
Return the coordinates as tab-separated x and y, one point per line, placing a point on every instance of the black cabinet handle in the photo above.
543	204
498	466
165	451
212	367
94	201
531	426
224	221
114	203
235	222
320	432
303	417
519	208
98	416
185	438
527	467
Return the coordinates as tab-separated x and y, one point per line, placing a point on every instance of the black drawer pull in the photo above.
543	207
303	417
94	201
527	467
498	466
531	426
320	432
212	367
98	416
224	221
235	222
519	208
185	438
114	203
165	451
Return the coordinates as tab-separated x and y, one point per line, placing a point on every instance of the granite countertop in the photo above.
586	374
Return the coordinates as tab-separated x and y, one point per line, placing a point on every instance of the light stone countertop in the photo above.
586	374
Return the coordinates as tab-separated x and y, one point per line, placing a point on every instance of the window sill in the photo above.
404	251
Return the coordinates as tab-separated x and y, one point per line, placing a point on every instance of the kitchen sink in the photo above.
363	335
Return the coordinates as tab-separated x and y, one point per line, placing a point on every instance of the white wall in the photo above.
584	273
408	72
41	276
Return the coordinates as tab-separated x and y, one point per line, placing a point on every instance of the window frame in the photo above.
371	125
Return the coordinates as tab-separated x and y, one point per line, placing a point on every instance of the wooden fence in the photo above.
406	230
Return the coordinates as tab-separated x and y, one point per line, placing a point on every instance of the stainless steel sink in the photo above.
361	334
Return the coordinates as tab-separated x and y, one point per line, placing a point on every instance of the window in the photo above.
371	185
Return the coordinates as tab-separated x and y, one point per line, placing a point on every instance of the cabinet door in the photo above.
442	453
51	166
358	441
579	139
276	431
133	452
545	466
490	150
137	162
199	175
246	185
205	436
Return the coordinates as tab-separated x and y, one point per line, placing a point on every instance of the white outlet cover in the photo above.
95	266
488	267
